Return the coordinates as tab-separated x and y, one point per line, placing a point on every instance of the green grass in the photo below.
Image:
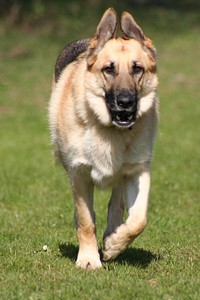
36	206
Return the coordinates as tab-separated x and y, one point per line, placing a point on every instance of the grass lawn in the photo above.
36	206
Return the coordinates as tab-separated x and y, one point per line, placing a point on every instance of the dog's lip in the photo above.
124	125
123	118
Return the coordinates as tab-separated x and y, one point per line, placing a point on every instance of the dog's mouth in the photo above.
122	106
123	119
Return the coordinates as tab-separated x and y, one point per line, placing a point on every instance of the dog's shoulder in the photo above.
69	54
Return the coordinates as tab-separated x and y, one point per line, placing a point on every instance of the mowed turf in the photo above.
36	206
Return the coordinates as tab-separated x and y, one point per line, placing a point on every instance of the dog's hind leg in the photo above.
115	210
88	255
136	189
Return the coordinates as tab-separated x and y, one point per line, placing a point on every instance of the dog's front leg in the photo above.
88	255
136	196
115	209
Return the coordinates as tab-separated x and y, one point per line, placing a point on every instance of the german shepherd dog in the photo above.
103	118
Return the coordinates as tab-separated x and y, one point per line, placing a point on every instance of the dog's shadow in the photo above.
136	257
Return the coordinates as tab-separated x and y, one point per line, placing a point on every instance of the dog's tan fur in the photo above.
92	149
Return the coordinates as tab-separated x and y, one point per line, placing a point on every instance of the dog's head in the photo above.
121	73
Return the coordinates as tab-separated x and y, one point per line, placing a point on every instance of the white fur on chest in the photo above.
111	154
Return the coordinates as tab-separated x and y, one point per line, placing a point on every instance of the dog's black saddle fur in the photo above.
69	54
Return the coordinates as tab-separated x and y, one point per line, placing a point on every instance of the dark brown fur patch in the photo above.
69	54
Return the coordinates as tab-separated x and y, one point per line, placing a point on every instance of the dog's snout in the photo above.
125	100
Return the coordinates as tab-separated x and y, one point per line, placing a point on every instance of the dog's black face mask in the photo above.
122	106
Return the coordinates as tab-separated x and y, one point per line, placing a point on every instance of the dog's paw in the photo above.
111	248
89	263
115	243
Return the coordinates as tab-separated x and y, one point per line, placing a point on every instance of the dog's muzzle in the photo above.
122	107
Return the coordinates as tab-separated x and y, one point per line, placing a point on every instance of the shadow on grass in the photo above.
139	258
68	250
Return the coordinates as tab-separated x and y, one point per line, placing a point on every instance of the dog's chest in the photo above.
111	156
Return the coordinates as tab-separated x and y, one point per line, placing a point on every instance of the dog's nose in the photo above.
125	100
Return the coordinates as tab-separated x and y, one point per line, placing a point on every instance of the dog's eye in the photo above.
137	69
109	69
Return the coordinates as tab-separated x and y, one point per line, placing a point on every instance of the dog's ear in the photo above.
106	30
131	30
